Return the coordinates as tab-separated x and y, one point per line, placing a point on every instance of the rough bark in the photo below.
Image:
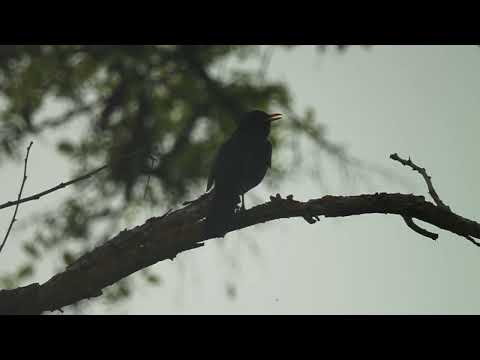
163	238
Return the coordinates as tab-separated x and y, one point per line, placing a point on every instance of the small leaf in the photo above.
25	272
65	147
153	279
31	250
6	282
68	258
231	291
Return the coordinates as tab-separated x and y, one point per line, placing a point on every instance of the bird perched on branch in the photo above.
240	165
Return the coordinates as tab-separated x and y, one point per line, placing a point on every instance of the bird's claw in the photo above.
239	209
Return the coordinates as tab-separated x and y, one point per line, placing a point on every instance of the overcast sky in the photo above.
418	101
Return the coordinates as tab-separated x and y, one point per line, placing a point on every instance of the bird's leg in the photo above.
238	205
237	209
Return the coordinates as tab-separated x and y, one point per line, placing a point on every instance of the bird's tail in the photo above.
221	213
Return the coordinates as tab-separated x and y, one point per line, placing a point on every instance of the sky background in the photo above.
418	101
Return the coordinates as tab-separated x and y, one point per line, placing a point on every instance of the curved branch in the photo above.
165	237
411	224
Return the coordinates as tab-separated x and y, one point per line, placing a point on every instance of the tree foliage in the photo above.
170	106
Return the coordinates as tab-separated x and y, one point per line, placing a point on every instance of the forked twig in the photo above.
426	177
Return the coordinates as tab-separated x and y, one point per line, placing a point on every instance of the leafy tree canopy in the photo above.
158	111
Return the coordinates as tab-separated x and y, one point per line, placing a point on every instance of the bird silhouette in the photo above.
240	165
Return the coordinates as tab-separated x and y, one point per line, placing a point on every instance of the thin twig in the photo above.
19	196
63	185
418	229
148	178
426	177
55	188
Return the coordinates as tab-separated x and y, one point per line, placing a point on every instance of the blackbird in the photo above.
240	165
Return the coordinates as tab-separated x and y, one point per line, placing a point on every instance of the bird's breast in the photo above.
257	161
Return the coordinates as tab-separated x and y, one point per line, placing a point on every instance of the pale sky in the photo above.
418	101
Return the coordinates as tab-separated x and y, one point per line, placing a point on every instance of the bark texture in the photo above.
164	237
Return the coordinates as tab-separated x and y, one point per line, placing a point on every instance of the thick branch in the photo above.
165	237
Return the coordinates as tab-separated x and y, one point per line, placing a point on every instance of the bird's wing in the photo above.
253	165
227	163
213	172
211	177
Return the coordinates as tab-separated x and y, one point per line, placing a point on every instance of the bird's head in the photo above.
258	122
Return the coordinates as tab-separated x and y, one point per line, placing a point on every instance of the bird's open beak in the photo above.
274	117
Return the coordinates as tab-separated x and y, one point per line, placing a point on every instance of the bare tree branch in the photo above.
165	237
426	177
65	184
19	196
55	188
